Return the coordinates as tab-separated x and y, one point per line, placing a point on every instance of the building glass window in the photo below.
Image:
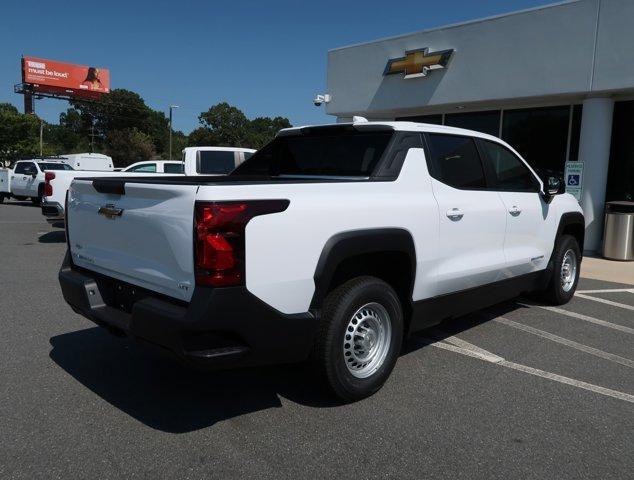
433	119
485	122
540	135
621	171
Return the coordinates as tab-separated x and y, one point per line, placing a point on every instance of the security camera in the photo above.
320	99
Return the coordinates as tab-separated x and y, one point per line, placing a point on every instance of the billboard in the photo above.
53	76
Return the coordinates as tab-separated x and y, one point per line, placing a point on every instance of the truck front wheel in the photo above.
566	268
360	337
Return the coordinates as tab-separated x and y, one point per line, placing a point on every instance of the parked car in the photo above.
332	243
196	161
26	179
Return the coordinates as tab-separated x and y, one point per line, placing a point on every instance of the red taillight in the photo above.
219	238
48	188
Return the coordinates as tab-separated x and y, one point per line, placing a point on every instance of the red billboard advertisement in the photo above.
52	75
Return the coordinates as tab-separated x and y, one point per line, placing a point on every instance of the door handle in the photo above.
515	210
455	214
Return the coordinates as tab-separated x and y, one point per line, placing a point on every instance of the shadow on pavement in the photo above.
58	236
20	203
455	326
157	390
166	395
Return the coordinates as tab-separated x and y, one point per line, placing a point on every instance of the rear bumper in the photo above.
220	327
53	211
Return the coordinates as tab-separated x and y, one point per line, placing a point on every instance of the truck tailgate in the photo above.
143	236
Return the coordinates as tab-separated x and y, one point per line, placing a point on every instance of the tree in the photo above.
129	146
19	133
202	136
228	125
263	129
225	125
120	110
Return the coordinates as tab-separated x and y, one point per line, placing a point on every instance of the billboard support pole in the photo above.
28	103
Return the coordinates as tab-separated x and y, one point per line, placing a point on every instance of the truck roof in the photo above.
401	126
220	149
42	160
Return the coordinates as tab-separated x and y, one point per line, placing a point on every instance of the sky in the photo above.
267	58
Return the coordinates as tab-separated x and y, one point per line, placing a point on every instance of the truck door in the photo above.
32	181
19	178
472	218
530	222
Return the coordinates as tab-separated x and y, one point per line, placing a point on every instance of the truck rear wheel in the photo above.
40	192
360	337
567	265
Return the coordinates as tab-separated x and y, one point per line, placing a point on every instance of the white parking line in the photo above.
608	290
607	302
583	317
492	358
473	348
569	343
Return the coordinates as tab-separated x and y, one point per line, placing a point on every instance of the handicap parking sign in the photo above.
574	179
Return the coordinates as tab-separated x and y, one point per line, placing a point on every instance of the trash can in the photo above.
618	235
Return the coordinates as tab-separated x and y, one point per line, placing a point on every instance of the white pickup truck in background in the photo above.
195	161
26	178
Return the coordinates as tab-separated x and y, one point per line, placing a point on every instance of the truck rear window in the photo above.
215	162
346	153
54	166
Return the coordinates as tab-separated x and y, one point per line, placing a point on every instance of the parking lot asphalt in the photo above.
514	391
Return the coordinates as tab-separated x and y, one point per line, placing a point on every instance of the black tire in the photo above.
555	292
40	192
1	198
339	308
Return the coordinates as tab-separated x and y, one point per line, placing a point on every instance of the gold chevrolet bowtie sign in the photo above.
418	63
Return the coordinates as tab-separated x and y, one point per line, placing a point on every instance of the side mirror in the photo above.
33	173
552	186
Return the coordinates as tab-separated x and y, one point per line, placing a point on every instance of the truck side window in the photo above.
456	161
510	173
146	167
173	168
20	167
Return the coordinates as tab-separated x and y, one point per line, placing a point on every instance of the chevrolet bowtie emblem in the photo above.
110	211
418	63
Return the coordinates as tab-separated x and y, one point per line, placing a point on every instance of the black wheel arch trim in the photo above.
572	218
353	243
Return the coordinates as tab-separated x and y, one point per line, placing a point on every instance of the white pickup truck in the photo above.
196	161
331	243
26	179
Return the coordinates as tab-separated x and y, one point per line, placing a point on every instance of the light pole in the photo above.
172	107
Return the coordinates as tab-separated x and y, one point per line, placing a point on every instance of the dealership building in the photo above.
556	82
